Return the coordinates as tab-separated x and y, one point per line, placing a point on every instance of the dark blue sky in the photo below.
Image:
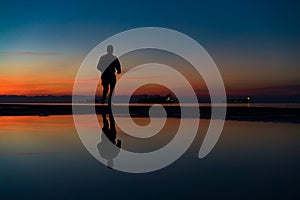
78	25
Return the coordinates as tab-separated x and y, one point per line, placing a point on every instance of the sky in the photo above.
255	44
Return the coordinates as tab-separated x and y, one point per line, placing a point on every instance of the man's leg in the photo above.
104	92
112	85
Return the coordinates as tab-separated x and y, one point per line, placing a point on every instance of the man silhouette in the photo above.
108	65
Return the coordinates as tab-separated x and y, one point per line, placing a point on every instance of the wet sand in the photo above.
264	114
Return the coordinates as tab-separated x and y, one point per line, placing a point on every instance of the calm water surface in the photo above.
274	105
43	157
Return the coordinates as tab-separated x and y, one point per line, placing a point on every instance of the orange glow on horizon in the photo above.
31	86
55	75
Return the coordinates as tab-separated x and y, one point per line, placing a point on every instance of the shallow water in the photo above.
264	105
43	157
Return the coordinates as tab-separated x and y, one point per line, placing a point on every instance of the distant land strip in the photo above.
263	114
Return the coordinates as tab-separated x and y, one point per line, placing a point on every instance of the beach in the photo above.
263	113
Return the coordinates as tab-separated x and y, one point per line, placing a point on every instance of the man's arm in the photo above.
118	66
99	66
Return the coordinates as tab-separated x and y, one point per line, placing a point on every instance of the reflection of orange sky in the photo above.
33	135
20	123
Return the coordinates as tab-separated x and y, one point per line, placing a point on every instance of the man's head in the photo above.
110	49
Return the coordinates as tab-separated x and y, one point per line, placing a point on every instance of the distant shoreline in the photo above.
263	114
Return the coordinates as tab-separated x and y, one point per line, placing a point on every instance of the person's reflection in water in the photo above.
109	147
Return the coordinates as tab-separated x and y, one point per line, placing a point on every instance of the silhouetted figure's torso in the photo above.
112	63
108	65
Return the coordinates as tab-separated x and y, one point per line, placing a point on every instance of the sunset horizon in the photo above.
150	100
